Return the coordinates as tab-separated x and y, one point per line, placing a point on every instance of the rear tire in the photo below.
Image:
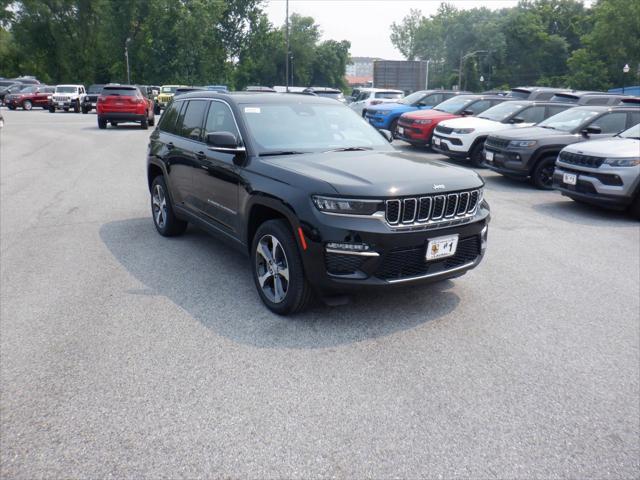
27	105
164	218
52	109
542	176
11	107
152	120
394	128
282	294
477	155
66	109
76	107
144	124
156	109
84	110
102	123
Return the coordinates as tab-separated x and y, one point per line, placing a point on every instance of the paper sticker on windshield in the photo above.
251	109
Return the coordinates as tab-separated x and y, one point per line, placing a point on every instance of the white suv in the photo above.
374	96
464	137
66	97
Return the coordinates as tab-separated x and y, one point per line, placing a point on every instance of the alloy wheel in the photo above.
272	268
159	200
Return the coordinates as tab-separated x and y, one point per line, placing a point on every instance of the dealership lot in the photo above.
126	354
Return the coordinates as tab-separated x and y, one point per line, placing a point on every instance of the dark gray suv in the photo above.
531	152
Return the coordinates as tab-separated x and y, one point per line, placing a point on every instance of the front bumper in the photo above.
451	146
419	135
393	257
508	162
591	184
381	122
62	104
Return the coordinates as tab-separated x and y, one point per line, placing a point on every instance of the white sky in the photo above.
365	23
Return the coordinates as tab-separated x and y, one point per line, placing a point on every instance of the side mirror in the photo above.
223	142
591	130
467	112
387	134
517	120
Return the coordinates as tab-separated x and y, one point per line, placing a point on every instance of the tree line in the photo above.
192	42
558	43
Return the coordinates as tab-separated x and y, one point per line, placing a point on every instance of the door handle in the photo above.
200	156
170	146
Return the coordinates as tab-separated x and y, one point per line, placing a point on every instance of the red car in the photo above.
29	97
417	127
124	103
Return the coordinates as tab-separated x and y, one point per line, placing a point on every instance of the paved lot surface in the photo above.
128	355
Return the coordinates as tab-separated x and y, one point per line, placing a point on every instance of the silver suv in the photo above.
604	172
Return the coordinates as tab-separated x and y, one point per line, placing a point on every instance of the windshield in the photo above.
308	127
502	111
96	88
569	119
633	132
518	94
413	98
454	105
66	89
125	92
169	89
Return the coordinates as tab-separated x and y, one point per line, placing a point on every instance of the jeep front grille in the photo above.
419	211
582	160
495	142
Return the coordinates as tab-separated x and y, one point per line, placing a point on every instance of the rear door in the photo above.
217	179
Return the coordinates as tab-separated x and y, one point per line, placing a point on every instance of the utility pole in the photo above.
426	84
462	59
286	66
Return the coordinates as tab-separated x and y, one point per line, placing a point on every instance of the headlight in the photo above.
422	122
522	143
347	206
463	131
622	162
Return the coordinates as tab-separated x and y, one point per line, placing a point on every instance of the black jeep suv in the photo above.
317	197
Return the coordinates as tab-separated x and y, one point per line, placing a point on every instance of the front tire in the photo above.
76	107
477	156
277	269
164	218
634	208
52	109
27	105
542	176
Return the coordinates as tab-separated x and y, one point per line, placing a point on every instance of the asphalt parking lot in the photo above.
124	354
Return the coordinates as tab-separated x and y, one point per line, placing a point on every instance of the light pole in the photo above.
462	59
625	70
292	82
126	57
426	85
481	82
286	66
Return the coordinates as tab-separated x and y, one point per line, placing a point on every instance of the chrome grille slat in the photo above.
424	211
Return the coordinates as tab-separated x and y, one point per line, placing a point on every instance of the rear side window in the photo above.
168	121
597	101
553	110
192	120
611	122
434	99
388	95
532	114
220	119
635	118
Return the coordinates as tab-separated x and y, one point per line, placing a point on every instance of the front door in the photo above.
217	181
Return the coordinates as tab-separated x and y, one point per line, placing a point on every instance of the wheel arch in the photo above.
544	152
263	207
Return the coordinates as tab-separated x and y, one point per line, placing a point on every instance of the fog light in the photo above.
483	237
352	247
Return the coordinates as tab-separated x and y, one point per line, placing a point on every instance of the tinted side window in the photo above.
532	114
434	99
634	118
611	122
597	101
220	119
479	106
192	120
168	121
553	110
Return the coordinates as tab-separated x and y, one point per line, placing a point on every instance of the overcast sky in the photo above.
365	23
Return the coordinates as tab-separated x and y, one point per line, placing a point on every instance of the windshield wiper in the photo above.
350	149
282	152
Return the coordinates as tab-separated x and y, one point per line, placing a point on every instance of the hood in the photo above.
431	114
396	107
367	173
607	147
534	133
481	124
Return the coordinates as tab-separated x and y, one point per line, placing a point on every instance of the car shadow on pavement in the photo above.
212	282
583	214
